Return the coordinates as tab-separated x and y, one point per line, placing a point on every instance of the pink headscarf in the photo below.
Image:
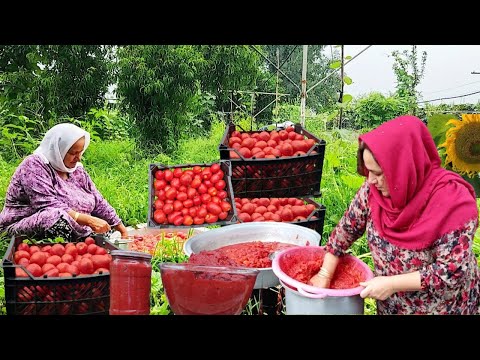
426	201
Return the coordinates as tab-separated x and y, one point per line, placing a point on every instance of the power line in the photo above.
447	98
275	66
283	63
455	87
335	70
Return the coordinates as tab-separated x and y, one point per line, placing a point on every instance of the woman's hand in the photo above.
319	281
98	225
378	288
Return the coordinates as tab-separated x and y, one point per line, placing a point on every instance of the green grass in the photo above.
120	171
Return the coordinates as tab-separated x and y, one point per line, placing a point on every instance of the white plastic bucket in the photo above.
303	299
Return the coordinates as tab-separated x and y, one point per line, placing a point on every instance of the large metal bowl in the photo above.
254	231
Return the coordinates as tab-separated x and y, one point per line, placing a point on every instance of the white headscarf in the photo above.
56	143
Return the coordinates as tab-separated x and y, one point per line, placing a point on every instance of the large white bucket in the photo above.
298	304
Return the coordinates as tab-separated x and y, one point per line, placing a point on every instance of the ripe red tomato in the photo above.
210	218
186	179
187	220
181	196
159	217
158	204
177	172
168	175
206	173
212	191
168	208
197	220
213	208
215	168
159	175
220	185
171	194
197	169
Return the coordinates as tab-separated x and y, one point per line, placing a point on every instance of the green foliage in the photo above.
201	149
158	85
6	171
437	125
228	68
54	80
409	74
109	124
322	97
120	171
286	112
17	136
3	304
374	109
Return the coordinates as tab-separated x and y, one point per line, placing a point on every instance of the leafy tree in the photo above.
409	73
54	80
76	77
19	72
322	97
158	86
228	68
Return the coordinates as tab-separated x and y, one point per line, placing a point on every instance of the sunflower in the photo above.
463	144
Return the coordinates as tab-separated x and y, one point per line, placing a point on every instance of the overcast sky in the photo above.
448	71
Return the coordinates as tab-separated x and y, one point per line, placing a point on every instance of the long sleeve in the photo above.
352	225
102	209
453	263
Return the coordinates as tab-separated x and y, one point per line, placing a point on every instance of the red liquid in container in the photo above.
130	283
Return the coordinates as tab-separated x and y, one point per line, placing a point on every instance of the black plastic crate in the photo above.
294	176
225	166
78	295
315	220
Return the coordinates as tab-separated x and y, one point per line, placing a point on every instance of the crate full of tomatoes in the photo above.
44	278
274	163
190	195
300	211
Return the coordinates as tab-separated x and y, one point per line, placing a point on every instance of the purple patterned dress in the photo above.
450	276
38	197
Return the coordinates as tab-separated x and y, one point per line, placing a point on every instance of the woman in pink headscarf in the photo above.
51	194
420	221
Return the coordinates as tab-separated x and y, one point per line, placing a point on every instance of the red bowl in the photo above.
207	290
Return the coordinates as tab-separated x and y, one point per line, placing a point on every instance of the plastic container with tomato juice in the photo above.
130	283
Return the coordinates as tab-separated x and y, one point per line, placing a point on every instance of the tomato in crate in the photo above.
286	163
190	195
57	279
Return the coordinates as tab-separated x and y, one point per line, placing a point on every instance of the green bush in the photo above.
374	109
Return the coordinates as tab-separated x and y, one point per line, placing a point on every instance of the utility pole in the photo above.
303	96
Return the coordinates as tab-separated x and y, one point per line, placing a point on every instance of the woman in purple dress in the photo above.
51	194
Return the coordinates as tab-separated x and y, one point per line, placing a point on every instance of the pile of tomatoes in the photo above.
62	260
274	209
265	145
186	196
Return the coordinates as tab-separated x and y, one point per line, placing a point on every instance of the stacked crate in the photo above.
276	164
186	196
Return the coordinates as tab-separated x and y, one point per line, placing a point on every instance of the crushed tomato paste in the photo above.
303	267
249	254
196	292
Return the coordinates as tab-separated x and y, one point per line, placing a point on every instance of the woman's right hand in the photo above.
319	281
98	225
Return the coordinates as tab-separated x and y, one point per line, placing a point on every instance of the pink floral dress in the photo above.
450	276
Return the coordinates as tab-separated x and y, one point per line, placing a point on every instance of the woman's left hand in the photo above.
378	288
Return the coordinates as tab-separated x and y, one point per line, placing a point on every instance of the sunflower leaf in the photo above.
437	125
475	182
